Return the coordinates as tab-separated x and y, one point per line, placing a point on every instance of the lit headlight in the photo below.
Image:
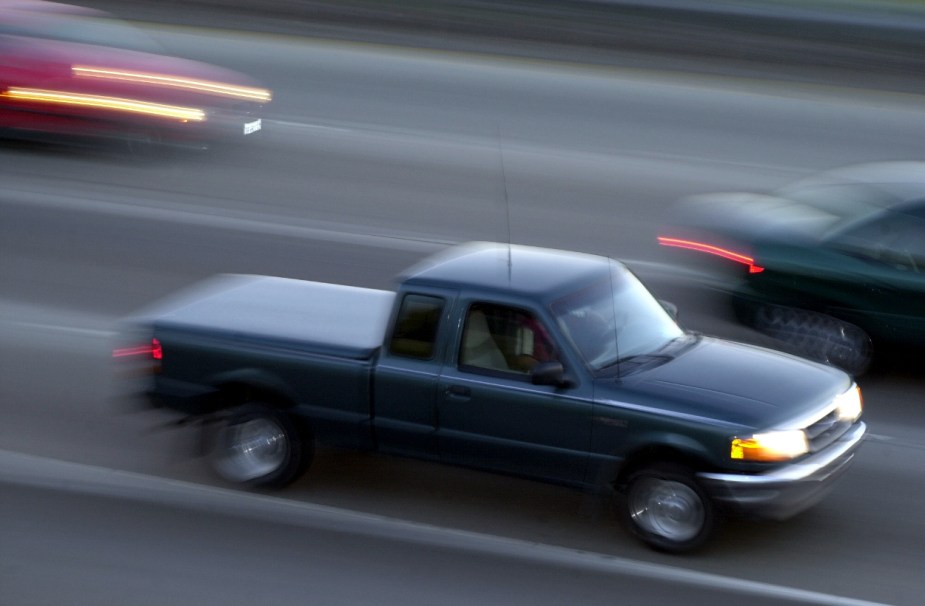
849	404
770	446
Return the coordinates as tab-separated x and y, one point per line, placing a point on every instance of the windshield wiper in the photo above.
666	352
642	358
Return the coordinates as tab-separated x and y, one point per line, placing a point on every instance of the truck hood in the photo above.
734	383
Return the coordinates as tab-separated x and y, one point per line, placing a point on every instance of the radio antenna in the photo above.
507	205
611	266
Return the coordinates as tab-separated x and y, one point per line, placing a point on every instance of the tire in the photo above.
259	446
667	510
817	336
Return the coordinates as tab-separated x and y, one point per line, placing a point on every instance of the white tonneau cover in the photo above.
336	319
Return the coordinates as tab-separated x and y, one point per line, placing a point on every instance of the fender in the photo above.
254	378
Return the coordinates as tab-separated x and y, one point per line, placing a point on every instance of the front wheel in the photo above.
667	509
257	445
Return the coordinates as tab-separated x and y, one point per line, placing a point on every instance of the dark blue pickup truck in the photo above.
548	364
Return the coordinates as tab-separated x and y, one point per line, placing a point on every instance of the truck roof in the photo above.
541	273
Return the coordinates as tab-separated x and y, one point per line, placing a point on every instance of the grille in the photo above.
825	431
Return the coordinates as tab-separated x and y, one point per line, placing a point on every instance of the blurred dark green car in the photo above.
832	265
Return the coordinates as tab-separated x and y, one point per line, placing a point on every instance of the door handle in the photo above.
459	391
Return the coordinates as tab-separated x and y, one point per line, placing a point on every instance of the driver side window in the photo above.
504	339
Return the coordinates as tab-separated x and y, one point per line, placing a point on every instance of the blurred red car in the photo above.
69	71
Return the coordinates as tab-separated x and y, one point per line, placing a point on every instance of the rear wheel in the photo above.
667	509
817	336
258	445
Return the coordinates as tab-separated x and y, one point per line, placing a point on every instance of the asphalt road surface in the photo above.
371	158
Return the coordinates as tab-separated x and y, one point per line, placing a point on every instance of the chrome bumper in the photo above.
786	491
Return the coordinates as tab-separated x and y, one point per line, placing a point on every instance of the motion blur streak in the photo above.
713	250
126	352
184	114
154	350
204	86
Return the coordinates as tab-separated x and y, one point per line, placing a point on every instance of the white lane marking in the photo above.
308	125
230	220
486	61
897	442
61	328
462	140
30	470
252	223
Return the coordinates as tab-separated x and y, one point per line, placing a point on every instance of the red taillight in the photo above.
153	349
713	250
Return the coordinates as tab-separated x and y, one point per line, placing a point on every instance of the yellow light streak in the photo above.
185	114
204	86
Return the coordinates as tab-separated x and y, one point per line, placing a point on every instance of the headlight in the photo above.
849	404
770	446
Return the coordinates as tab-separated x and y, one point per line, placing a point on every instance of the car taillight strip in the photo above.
153	349
185	114
713	250
204	86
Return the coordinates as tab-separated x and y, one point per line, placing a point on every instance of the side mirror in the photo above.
671	308
550	373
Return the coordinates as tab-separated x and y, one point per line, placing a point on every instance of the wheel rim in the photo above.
252	449
668	509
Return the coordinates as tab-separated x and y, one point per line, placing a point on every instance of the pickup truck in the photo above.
553	365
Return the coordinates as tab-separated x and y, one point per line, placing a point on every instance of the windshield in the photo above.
846	203
615	319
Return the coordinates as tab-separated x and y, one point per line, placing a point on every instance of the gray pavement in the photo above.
872	43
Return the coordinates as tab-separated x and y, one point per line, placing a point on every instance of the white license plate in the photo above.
252	127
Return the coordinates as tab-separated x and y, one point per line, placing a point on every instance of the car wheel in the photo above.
817	336
667	509
257	445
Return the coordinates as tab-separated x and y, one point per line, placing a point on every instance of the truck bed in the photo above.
327	318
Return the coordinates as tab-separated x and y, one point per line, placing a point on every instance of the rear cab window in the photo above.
416	326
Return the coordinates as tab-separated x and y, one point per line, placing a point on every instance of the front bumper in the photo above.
786	491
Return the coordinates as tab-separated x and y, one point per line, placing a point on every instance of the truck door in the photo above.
491	415
405	380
